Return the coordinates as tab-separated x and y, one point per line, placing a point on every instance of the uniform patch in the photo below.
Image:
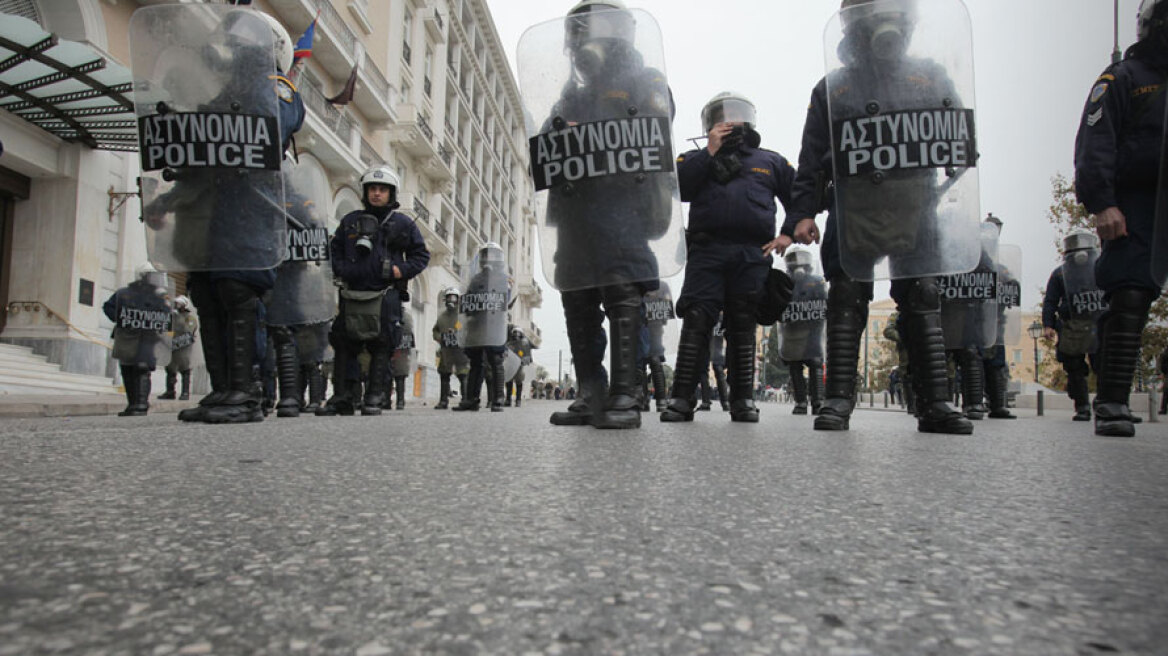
762	171
284	91
617	94
1098	91
1094	117
680	158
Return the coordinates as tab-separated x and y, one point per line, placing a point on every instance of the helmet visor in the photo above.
729	110
589	26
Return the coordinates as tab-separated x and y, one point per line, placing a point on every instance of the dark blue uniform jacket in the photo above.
741	211
1117	160
398	242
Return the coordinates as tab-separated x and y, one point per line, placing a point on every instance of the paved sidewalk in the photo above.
19	406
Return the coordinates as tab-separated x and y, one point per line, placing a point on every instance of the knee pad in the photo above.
848	294
625	295
1076	366
924	295
280	334
698	319
235	294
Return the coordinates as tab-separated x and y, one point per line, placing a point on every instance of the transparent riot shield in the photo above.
304	292
511	365
1160	231
1083	297
483	306
659	308
969	301
599	114
142	325
209	137
804	321
1009	294
900	97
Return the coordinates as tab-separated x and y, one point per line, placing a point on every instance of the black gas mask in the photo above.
366	227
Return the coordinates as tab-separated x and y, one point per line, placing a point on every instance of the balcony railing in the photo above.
421	211
442	231
377	82
406	52
369	154
460	206
444	154
424	125
332	117
335	24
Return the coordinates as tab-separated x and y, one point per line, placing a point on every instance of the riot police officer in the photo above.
607	231
522	347
1117	159
483	313
802	324
451	358
141	316
374	252
658	309
878	214
1070	307
731	186
183	325
402	363
222	216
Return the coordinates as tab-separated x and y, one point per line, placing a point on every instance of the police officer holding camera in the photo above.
731	186
374	253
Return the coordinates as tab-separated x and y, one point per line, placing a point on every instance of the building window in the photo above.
407	35
1017	356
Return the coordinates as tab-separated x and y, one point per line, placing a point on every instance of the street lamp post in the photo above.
1035	331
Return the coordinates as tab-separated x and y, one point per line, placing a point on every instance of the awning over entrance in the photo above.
65	87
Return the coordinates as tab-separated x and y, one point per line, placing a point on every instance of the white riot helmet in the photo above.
799	262
382	175
282	42
148	274
728	107
490	253
1151	18
451	291
886	24
182	303
1077	246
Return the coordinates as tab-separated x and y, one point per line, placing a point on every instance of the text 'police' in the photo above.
209	140
593	150
914	139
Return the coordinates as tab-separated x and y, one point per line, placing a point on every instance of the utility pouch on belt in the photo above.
362	314
1076	336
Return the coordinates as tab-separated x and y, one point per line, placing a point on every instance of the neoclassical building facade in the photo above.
435	99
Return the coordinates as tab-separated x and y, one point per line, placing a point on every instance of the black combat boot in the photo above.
342	402
997	389
722	387
213	317
185	390
972	384
287	375
587	341
143	391
242	402
495	361
704	387
798	388
693	351
740	328
313	377
815	385
622	409
508	392
378	376
847	314
171	381
470	400
130	383
926	349
1078	390
400	384
1120	331
657	373
444	392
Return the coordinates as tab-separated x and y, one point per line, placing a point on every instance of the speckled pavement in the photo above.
430	532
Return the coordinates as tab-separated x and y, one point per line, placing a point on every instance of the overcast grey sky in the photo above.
1034	61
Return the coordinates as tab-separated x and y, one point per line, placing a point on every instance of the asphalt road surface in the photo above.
431	532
